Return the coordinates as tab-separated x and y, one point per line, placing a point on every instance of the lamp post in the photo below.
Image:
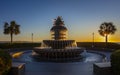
93	39
32	37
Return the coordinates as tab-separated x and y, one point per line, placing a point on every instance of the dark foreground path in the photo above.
59	68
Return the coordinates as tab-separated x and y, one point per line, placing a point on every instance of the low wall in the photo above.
17	69
103	68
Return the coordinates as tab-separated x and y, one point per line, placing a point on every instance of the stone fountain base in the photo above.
58	53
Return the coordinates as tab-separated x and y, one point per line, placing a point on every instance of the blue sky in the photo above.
82	18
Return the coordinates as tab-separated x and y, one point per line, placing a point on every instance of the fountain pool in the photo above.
87	57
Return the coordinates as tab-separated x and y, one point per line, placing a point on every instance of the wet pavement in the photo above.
59	68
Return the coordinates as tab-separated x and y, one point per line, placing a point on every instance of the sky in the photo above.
81	17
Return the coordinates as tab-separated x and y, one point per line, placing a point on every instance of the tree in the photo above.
11	29
106	29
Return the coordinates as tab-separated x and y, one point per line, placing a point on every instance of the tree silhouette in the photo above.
106	29
11	29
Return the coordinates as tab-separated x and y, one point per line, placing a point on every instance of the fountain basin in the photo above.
58	53
86	56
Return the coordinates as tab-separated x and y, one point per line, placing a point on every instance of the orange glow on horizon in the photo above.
77	38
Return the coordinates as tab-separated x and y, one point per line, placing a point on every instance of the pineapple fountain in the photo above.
58	48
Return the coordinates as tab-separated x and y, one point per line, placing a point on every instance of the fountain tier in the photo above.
59	44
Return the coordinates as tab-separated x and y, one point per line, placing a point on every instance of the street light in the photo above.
32	37
93	39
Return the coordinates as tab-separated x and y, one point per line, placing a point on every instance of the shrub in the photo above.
5	62
19	45
115	62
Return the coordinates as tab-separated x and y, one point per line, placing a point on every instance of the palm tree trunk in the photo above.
106	40
11	35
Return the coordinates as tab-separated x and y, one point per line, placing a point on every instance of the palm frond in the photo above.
17	29
107	28
6	25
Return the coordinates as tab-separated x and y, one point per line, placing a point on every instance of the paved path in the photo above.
59	68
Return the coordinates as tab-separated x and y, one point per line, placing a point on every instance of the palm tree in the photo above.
11	29
107	28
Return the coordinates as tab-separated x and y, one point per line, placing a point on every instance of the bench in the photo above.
103	68
17	68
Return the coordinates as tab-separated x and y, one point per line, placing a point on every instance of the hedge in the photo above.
5	62
18	45
115	62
